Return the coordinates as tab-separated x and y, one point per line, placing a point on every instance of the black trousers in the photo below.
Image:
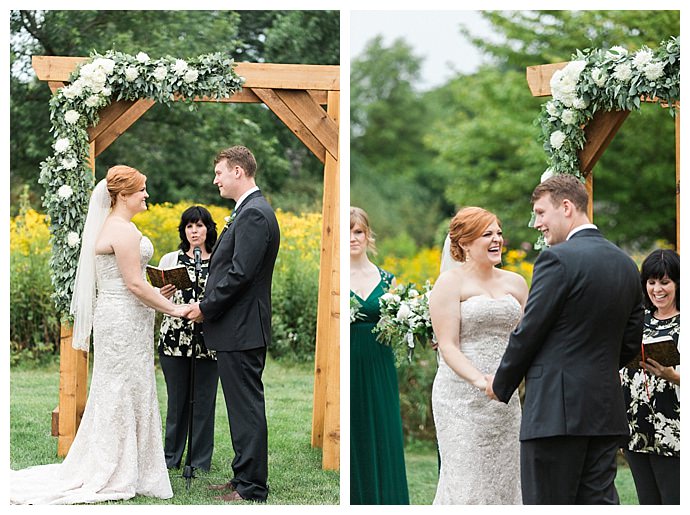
240	376
569	470
657	478
176	370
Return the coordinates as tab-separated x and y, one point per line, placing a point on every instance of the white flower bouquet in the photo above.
405	322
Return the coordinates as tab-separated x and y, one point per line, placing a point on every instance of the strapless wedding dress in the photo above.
478	438
118	450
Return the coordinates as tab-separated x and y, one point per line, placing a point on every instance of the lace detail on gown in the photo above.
478	438
118	450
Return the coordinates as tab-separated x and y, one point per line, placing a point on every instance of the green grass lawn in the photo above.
421	462
294	467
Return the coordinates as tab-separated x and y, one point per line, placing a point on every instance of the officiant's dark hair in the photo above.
657	265
193	215
238	155
466	226
563	186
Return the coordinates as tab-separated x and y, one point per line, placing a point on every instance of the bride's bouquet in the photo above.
405	322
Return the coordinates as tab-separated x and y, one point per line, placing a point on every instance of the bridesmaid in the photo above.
377	462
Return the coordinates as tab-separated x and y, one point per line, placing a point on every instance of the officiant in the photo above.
652	393
197	230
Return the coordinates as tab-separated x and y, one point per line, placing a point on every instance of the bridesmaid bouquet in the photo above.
405	322
354	309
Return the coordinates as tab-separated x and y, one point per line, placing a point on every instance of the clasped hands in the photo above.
188	311
487	386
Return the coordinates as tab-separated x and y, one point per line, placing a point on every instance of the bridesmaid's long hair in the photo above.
360	217
466	226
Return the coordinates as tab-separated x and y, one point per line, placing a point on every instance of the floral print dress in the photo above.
176	333
653	403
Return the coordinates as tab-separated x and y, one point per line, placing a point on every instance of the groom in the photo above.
582	323
236	312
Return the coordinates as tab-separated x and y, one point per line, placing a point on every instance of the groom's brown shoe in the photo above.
231	497
224	487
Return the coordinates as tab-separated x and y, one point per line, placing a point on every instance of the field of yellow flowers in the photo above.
35	323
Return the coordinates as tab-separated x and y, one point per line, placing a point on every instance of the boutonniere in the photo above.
229	220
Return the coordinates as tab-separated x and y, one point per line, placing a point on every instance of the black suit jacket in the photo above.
582	323
237	299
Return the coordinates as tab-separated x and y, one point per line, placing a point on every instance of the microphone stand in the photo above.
188	471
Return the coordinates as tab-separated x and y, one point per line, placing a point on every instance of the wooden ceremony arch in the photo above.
296	94
599	133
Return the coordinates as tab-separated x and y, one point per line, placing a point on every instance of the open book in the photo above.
661	349
176	275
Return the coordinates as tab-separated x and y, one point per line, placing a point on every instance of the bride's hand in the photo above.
181	310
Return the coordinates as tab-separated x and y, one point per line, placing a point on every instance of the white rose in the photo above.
179	67
599	77
557	139
654	70
616	53
131	74
413	293
93	101
573	70
641	58
96	82
579	103
552	108
548	173
105	64
403	313
62	145
87	70
386	296
143	57
160	73
69	163
65	191
623	72
72	239
72	116
191	76
106	92
74	90
569	117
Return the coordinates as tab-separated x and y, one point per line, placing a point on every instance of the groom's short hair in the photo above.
563	186
238	155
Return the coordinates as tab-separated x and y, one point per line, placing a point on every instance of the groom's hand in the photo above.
490	387
195	313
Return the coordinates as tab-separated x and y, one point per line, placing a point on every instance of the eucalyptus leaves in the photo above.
602	80
66	174
608	80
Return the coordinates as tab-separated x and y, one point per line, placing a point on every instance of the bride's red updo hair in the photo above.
466	226
123	179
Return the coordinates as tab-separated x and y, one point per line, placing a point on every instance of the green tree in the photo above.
390	168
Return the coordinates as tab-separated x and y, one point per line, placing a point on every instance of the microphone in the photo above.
197	259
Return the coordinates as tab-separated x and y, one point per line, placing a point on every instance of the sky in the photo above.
433	35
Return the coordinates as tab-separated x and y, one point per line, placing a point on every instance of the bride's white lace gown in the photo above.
478	438
118	449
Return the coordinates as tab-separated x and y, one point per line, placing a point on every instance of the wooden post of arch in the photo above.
295	93
599	133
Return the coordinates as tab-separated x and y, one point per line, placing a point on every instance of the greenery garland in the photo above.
67	176
596	80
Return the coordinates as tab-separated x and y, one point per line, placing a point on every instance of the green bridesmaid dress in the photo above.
377	462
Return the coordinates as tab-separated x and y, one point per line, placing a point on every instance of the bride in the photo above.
118	450
473	308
